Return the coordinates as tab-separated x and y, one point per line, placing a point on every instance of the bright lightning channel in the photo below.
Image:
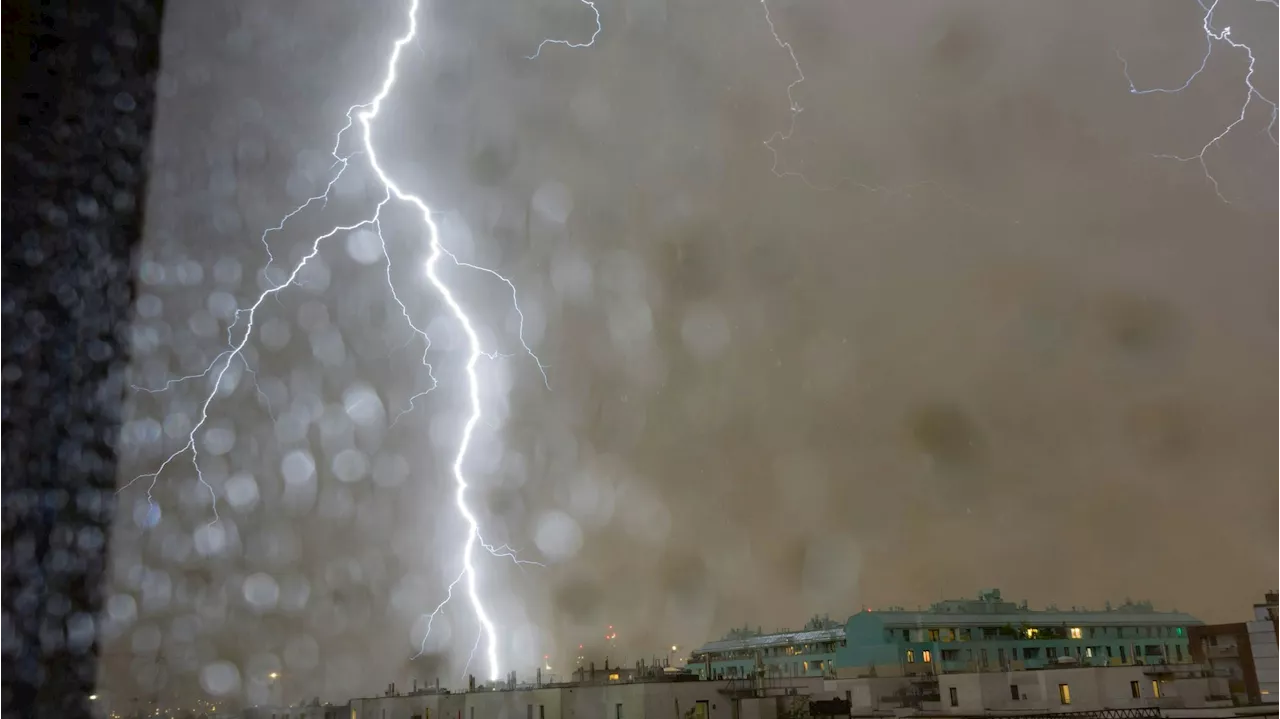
365	114
1211	37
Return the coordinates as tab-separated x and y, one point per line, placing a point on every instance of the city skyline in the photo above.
955	325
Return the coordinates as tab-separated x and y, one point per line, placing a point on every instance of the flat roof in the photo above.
780	639
1042	617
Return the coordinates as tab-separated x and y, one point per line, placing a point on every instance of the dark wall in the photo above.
78	105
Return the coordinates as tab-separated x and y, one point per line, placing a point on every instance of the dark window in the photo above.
1051	653
933	635
1135	689
984	658
617	711
1031	652
1013	692
906	635
955	698
1124	657
1177	648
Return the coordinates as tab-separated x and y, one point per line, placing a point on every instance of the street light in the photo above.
275	685
93	697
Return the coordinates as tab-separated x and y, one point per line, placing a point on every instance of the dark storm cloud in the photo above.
1011	349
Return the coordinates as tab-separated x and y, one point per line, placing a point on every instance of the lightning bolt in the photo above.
362	117
794	107
785	135
1211	37
588	43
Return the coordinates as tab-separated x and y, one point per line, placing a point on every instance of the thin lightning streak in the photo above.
364	115
795	109
179	380
567	43
466	667
431	618
426	341
514	303
261	395
1251	92
785	135
226	358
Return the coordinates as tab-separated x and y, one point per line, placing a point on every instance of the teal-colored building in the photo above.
810	652
959	635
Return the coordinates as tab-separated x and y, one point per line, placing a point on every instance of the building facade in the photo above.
1245	652
1173	690
962	635
810	652
606	700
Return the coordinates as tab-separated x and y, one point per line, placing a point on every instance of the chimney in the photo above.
606	665
539	680
415	686
437	683
593	671
471	682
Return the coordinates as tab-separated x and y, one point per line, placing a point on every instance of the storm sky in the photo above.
987	340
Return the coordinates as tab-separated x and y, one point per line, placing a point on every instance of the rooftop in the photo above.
990	609
781	639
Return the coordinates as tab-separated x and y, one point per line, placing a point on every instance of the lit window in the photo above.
1088	652
1076	633
1178	631
1064	693
926	656
1135	689
1032	632
613	677
1155	688
911	656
